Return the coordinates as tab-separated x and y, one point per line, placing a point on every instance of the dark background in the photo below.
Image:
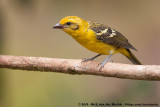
26	30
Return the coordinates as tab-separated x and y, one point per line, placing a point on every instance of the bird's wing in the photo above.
110	36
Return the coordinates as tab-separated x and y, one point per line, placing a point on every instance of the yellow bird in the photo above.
98	38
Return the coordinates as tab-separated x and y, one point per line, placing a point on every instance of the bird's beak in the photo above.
58	26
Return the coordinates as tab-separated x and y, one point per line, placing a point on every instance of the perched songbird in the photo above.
98	38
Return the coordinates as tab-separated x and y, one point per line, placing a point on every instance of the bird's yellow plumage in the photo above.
97	37
87	37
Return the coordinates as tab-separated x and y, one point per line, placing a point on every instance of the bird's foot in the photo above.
87	59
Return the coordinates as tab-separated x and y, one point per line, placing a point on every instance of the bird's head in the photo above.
72	25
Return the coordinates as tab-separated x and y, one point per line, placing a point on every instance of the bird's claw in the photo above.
87	59
100	67
102	64
110	60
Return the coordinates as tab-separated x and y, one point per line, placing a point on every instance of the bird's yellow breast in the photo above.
89	41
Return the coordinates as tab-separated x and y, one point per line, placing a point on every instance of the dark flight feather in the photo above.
110	36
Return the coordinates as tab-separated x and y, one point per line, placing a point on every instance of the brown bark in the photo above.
70	66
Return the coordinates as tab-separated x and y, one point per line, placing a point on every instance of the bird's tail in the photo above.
132	58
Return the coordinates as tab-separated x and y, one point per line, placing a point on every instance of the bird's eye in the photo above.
68	23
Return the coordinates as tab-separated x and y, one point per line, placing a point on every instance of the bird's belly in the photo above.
97	46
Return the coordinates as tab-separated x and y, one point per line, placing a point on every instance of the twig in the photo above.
70	66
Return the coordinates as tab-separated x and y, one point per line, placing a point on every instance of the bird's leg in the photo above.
91	59
104	62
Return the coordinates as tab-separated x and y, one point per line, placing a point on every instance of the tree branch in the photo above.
70	66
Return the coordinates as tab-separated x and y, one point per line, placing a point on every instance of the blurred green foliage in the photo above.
27	31
2	74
